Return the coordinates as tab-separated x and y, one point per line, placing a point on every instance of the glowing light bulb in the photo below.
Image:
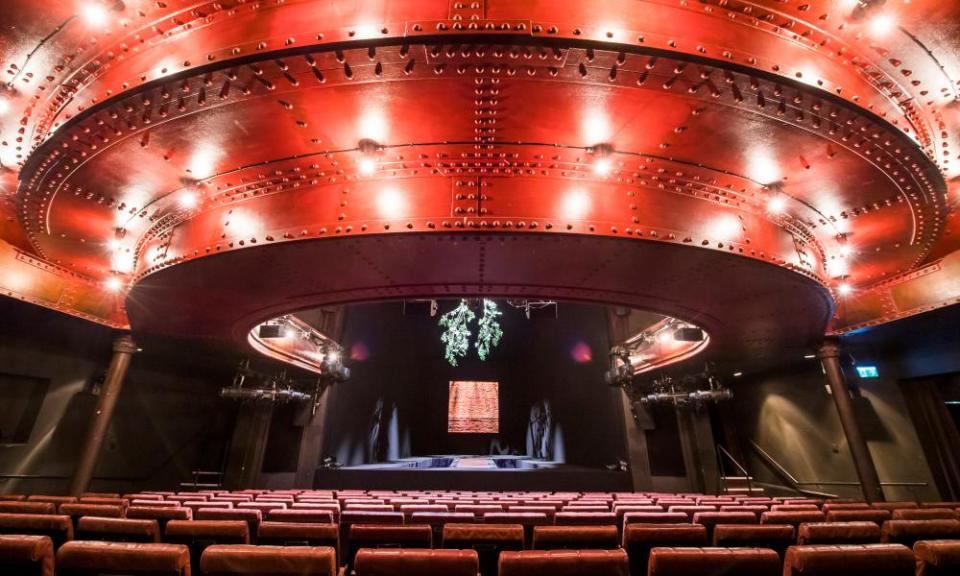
665	337
333	357
94	13
602	167
777	205
4	106
576	204
882	24
188	200
113	284
845	251
367	166
113	244
391	203
844	289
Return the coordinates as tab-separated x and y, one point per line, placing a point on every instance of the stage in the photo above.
468	472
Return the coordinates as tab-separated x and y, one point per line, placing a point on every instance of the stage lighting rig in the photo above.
536	308
691	391
620	373
253	386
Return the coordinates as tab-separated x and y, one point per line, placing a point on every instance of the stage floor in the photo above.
470	472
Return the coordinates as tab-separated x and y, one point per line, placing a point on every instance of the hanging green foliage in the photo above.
457	336
490	332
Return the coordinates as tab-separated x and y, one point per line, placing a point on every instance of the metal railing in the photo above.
721	453
798	486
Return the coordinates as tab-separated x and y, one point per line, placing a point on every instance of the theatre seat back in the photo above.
122	559
387	536
925	514
575	538
713	561
299	534
640	539
489	540
236	560
854	560
838	533
777	537
908	532
863	515
564	563
118	529
58	527
937	557
21	507
197	535
416	563
26	555
161	515
792	518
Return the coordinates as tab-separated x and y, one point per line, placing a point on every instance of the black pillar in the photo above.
829	355
123	349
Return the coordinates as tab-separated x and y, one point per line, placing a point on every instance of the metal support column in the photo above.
829	355
123	350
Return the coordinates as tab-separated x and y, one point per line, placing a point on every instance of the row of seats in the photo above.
34	556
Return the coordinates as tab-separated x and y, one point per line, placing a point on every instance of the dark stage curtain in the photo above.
938	433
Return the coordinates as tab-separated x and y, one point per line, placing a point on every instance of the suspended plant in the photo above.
457	336
490	332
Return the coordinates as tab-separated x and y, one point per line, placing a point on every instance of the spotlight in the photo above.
664	337
94	13
367	166
844	289
777	205
4	105
737	374
602	163
113	284
188	200
113	244
602	167
882	24
845	251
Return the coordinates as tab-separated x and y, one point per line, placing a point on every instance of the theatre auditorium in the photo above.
480	287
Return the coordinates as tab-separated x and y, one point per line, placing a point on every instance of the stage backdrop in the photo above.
552	398
473	407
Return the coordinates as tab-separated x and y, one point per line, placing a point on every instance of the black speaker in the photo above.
270	331
688	335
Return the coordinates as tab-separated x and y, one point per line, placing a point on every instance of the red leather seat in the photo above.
794	508
75	511
251	517
98	558
26	555
864	515
777	537
895	506
564	563
22	507
436	520
161	515
691	510
585	519
408	510
908	532
12	498
858	560
838	533
550	511
56	500
489	540
299	534
386	536
792	518
227	560
654	518
711	519
118	529
925	514
301	516
713	561
197	535
640	539
57	527
416	563
575	537
526	519
937	557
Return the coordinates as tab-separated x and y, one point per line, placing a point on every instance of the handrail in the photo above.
792	483
721	451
